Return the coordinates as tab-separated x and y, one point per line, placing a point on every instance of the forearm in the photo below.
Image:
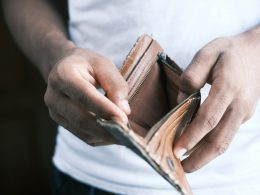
38	30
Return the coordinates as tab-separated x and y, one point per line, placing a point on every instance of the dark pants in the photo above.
65	185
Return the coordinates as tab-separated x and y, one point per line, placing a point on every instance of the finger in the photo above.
76	116
215	143
113	84
84	136
83	92
208	116
198	71
66	124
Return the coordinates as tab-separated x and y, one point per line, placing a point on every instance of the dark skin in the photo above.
230	64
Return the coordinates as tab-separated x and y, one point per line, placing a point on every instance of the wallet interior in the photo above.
153	80
156	118
153	94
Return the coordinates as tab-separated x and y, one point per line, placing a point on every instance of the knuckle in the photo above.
118	90
239	108
243	107
230	85
223	99
48	99
202	54
109	62
218	147
228	42
61	77
210	122
119	84
101	60
53	80
249	115
221	148
218	40
82	97
222	85
224	40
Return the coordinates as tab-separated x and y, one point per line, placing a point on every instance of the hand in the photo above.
232	66
73	99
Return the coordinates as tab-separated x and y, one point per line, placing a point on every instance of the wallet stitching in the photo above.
126	63
136	65
142	77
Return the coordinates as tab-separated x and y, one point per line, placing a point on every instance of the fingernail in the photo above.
181	152
124	105
181	96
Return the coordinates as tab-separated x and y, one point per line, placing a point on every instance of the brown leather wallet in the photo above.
156	118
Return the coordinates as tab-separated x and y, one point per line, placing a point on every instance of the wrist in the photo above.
55	47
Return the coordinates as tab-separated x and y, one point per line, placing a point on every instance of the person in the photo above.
220	40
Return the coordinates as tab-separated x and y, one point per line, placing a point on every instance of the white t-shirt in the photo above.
181	27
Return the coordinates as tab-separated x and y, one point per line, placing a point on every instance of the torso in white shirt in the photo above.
181	27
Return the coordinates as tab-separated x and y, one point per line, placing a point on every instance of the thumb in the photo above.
198	71
113	84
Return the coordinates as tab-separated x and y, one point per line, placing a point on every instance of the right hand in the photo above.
73	99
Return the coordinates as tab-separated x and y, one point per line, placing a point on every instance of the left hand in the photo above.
232	66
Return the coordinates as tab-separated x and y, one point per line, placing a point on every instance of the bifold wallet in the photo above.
156	119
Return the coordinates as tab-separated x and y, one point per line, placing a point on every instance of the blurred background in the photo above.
27	134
